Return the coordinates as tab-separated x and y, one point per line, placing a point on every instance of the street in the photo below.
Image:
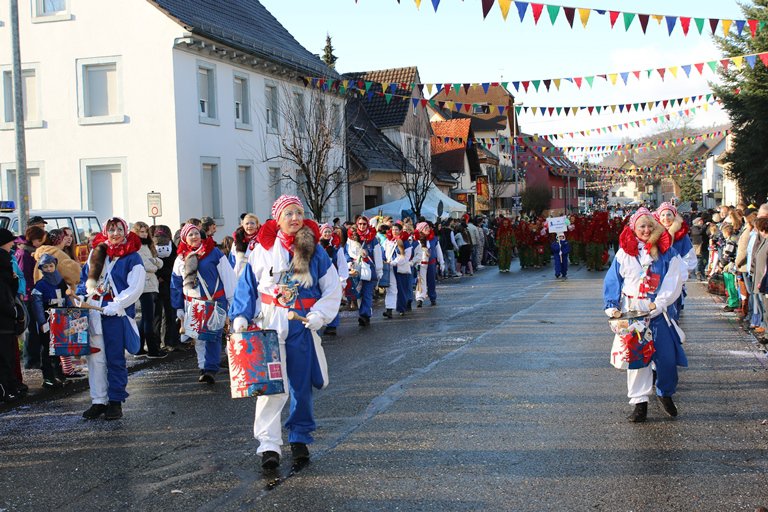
501	397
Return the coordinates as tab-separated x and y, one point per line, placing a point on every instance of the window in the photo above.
409	146
299	111
102	186
31	95
621	193
206	93
242	101
86	226
562	193
211	191
99	94
372	197
613	194
34	184
554	192
275	187
50	10
336	119
245	202
270	98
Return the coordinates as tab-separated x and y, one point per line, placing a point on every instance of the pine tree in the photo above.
328	57
745	97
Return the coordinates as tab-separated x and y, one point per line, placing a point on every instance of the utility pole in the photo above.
22	193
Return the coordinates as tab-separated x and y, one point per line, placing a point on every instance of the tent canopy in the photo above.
437	204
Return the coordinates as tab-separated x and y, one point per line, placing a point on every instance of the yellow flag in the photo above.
673	70
418	3
658	18
534	109
613	108
504	6
612	77
644	121
584	15
738	61
429	89
650	105
726	26
705	107
449	105
557	83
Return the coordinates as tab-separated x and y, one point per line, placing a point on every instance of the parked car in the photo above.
83	223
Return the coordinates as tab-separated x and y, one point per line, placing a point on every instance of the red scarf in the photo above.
130	244
270	232
366	236
681	232
204	249
629	242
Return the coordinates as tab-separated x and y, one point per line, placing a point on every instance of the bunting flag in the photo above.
622	77
668	22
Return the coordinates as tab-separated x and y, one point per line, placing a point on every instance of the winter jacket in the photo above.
67	267
151	264
27	263
8	287
699	239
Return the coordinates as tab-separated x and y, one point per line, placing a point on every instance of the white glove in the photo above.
314	321
45	327
658	310
113	309
240	324
610	312
180	314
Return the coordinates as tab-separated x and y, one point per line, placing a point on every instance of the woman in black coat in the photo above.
10	388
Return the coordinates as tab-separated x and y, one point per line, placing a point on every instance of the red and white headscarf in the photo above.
664	207
641	212
282	203
186	230
421	226
114	220
325	227
131	243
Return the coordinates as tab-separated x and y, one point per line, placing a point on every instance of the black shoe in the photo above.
402	313
270	460
433	303
157	355
640	413
653	377
74	376
418	303
207	377
361	321
114	411
53	383
330	331
95	411
387	313
299	453
668	405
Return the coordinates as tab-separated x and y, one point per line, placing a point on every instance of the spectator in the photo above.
152	263
208	226
10	387
700	241
25	250
165	326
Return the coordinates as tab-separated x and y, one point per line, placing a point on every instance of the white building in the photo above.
179	97
717	188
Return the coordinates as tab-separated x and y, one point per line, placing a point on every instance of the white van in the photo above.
83	223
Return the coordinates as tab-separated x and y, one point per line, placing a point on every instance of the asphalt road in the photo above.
499	398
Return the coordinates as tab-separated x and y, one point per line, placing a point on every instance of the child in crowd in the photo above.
560	250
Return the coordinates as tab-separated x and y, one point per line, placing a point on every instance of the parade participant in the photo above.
539	238
288	270
505	240
246	237
165	314
201	271
432	256
370	257
560	249
597	241
677	228
700	242
394	255
113	279
412	240
332	245
49	292
727	265
401	267
646	276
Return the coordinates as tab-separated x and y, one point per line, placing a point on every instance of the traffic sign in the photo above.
154	205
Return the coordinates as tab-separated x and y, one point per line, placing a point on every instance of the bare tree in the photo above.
416	179
311	146
499	183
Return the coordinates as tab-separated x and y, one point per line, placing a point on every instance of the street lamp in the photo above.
514	153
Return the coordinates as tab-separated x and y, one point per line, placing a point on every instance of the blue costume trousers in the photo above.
303	372
403	282
668	356
432	281
561	264
114	350
366	299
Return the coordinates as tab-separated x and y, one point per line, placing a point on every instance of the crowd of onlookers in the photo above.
731	245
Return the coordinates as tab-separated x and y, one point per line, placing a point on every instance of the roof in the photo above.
489	119
247	26
388	114
370	148
448	155
556	162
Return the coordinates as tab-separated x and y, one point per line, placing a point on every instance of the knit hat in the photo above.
666	206
45	259
641	212
326	226
282	203
421	225
6	236
186	230
113	220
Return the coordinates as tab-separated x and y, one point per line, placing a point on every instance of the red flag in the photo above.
752	26
725	63
685	22
661	72
577	80
764	58
536	8
614	15
699	67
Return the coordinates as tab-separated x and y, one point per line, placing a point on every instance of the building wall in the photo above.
142	145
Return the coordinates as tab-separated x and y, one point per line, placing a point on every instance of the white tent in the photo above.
437	204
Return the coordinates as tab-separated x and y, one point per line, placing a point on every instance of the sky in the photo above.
456	45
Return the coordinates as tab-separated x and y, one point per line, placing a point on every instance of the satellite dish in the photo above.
440	208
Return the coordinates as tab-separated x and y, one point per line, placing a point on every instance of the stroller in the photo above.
490	255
